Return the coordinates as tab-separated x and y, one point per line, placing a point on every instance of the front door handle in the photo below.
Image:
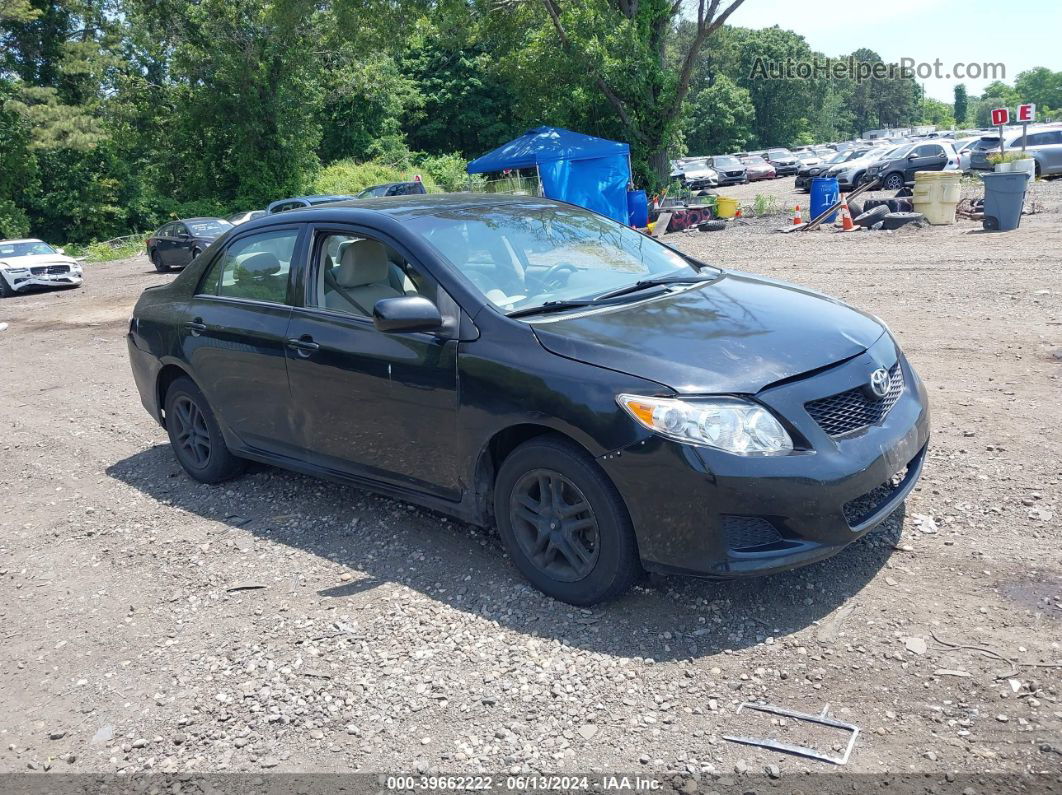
196	327
304	345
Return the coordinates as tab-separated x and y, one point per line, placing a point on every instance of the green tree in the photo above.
618	48
937	113
961	106
720	118
1040	85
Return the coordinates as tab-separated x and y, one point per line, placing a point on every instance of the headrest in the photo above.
362	262
258	266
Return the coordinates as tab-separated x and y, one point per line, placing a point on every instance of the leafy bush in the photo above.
448	172
348	176
1007	157
104	251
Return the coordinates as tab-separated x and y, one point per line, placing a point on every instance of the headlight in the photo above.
736	426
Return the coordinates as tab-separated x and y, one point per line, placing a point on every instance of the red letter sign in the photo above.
1027	112
1000	116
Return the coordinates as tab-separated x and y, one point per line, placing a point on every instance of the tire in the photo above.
195	253
893	181
712	226
195	436
601	539
156	260
871	216
896	220
6	290
855	209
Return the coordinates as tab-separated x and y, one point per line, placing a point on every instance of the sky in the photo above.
963	32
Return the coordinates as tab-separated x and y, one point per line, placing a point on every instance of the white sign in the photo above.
1027	112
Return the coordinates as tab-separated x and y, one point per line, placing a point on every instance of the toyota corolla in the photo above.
610	404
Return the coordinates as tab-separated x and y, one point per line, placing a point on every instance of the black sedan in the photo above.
179	242
610	404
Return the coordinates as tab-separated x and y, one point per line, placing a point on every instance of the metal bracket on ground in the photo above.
800	750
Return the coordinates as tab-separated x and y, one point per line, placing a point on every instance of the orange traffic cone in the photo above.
796	216
846	217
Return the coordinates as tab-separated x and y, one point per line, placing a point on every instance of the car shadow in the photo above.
388	541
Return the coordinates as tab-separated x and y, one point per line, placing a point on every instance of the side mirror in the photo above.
912	156
406	313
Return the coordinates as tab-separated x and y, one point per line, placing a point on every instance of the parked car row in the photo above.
177	243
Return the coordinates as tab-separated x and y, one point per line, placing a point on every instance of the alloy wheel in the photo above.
554	525
191	431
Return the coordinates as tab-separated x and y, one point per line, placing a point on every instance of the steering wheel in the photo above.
550	279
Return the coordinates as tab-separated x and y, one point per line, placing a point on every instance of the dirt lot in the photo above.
384	638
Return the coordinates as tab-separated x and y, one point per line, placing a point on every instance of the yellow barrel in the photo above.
726	207
935	195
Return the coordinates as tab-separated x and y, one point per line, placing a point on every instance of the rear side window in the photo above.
255	268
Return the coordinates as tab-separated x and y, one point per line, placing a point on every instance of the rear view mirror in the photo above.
406	313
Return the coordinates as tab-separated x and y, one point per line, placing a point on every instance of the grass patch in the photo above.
107	250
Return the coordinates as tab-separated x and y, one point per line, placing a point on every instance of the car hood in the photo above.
738	335
36	260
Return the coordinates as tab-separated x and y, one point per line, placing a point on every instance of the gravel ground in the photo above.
285	624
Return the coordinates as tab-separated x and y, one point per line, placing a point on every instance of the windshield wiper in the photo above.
550	306
645	284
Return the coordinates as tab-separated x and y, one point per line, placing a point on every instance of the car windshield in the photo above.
726	161
779	153
840	157
378	190
28	248
211	228
901	151
755	160
522	256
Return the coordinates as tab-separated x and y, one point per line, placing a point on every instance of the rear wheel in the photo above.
156	260
195	436
564	524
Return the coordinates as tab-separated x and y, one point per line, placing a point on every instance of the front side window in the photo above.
255	268
520	256
353	272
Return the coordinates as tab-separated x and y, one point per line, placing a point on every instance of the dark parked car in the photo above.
393	189
784	161
901	164
609	403
179	242
731	171
301	202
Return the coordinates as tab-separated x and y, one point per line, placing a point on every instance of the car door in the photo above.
235	335
181	247
377	405
927	157
164	243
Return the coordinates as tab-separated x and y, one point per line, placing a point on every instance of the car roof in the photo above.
397	207
24	240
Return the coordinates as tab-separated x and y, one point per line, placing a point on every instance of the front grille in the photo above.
41	270
849	411
733	173
862	508
744	533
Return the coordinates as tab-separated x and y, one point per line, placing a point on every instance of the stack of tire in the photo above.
884	214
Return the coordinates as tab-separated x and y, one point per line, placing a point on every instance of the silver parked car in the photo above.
1043	144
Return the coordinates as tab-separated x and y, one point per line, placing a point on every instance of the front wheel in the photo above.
156	260
564	524
195	436
6	290
893	182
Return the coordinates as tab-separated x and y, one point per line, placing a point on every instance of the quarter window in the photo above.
254	268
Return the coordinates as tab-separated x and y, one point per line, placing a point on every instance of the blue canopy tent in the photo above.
591	172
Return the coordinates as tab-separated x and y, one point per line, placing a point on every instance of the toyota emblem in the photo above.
880	382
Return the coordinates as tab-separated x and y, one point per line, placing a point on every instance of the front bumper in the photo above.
29	281
785	171
683	499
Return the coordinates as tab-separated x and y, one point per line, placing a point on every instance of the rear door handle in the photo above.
196	327
304	345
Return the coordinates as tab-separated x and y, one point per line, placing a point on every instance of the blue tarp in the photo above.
591	172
